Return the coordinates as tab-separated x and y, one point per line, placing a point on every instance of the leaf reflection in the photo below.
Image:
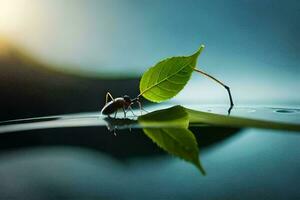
169	129
172	133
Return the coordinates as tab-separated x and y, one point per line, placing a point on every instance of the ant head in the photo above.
137	99
127	99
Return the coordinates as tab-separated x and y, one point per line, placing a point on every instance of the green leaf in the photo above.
172	133
199	117
175	116
168	77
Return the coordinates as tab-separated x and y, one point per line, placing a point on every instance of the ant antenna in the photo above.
218	81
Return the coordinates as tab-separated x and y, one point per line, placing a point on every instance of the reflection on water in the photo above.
256	164
279	110
270	113
273	114
235	159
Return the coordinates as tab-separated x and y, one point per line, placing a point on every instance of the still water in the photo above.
86	156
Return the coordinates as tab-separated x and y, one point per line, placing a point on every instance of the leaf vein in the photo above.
185	65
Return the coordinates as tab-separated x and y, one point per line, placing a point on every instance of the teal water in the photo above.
248	163
269	113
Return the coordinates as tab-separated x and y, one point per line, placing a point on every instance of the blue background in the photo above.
252	46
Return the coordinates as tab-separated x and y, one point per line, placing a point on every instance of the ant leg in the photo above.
141	107
124	112
130	108
145	110
108	95
116	114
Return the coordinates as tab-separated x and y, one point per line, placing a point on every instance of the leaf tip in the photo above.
199	50
199	166
201	169
202	46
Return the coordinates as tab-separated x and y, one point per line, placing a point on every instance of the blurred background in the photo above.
62	56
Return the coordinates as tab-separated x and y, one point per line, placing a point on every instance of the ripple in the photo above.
287	111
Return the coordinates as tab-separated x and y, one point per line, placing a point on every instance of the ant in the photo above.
123	103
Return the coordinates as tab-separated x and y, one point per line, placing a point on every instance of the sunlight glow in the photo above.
12	13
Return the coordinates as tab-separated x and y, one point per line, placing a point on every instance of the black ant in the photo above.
123	103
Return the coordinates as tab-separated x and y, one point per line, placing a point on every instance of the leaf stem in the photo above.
221	83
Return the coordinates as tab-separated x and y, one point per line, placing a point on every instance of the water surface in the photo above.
76	155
